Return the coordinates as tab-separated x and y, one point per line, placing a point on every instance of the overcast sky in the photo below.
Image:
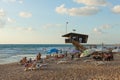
44	21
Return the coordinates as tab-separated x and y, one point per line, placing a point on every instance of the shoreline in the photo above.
9	63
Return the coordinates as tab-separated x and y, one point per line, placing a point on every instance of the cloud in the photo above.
2	13
2	18
92	2
116	9
106	26
51	25
11	20
102	29
9	1
97	30
2	23
61	9
21	1
13	1
25	14
28	29
82	11
23	28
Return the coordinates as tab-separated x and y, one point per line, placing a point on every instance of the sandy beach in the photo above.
75	70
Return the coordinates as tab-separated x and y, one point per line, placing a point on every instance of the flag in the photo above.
74	29
66	22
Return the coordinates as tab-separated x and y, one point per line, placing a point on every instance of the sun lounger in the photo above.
39	66
36	67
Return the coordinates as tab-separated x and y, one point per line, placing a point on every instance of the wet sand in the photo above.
75	70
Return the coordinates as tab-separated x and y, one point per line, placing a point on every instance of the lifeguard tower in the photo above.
76	39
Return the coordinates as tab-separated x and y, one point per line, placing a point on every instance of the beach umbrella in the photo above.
74	51
53	50
102	50
116	50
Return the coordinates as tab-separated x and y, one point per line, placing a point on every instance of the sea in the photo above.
10	53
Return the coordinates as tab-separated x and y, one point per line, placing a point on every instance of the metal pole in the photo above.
66	27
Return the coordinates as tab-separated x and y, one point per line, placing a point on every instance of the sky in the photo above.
45	21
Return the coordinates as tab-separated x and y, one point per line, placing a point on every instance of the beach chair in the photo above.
38	66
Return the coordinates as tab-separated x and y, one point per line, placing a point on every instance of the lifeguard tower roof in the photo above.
81	38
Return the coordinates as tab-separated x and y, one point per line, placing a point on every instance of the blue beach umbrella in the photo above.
74	51
53	50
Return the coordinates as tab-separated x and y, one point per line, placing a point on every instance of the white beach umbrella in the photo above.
87	52
102	50
116	50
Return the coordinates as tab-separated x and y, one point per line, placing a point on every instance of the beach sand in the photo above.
75	70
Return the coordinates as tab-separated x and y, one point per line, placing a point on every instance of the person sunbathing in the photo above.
38	57
28	66
23	61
